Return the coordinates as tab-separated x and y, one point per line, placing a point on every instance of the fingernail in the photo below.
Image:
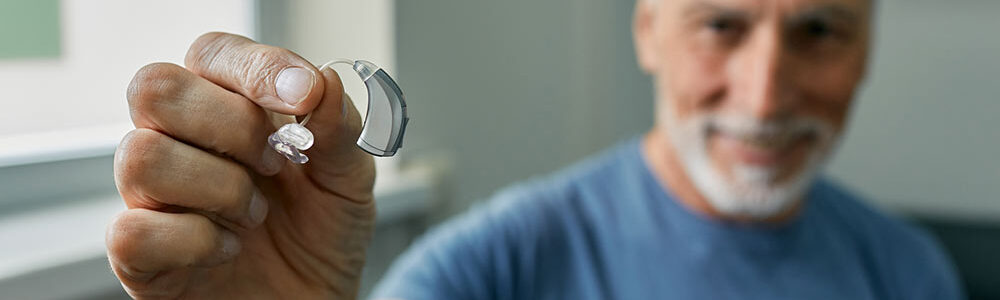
258	208
230	246
271	162
293	84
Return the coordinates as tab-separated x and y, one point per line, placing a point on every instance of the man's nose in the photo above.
760	86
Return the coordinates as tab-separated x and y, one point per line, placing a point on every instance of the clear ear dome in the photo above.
290	140
296	135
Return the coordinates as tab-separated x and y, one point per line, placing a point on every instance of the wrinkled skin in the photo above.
214	213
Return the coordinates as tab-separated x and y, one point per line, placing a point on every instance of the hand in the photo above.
213	211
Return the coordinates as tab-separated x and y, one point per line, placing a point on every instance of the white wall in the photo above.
322	30
78	99
104	43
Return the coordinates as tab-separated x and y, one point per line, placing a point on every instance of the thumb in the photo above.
274	78
335	158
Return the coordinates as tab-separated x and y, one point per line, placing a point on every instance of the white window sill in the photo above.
60	145
65	242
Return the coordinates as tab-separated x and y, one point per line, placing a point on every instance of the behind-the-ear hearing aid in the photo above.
384	125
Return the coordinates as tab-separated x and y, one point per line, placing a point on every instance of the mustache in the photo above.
764	132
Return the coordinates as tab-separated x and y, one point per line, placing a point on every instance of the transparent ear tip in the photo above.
290	140
296	135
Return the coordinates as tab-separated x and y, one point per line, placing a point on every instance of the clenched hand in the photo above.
213	212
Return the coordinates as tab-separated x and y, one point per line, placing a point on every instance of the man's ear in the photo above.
642	34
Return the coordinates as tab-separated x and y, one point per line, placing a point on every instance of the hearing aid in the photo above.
383	128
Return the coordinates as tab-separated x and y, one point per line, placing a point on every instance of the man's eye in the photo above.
817	28
818	34
723	25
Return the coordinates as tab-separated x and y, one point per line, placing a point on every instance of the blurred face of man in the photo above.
752	94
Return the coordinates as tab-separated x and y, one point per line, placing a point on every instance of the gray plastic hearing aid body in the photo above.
385	122
382	132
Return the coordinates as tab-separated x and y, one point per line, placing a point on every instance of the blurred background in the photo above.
498	92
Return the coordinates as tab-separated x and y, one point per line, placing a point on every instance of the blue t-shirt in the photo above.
606	229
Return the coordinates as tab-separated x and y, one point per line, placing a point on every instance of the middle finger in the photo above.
156	172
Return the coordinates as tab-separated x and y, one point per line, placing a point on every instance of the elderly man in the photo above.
720	200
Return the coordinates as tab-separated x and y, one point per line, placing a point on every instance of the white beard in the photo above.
753	191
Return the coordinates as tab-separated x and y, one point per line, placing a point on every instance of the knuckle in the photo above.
230	194
234	143
140	151
152	83
128	243
238	191
125	235
206	48
265	62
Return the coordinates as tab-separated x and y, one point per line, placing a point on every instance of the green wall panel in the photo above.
29	29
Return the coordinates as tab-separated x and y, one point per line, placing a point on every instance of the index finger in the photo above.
276	79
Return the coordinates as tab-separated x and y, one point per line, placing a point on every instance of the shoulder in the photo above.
853	213
472	255
577	191
905	255
524	207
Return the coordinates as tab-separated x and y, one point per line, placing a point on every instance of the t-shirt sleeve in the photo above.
467	257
